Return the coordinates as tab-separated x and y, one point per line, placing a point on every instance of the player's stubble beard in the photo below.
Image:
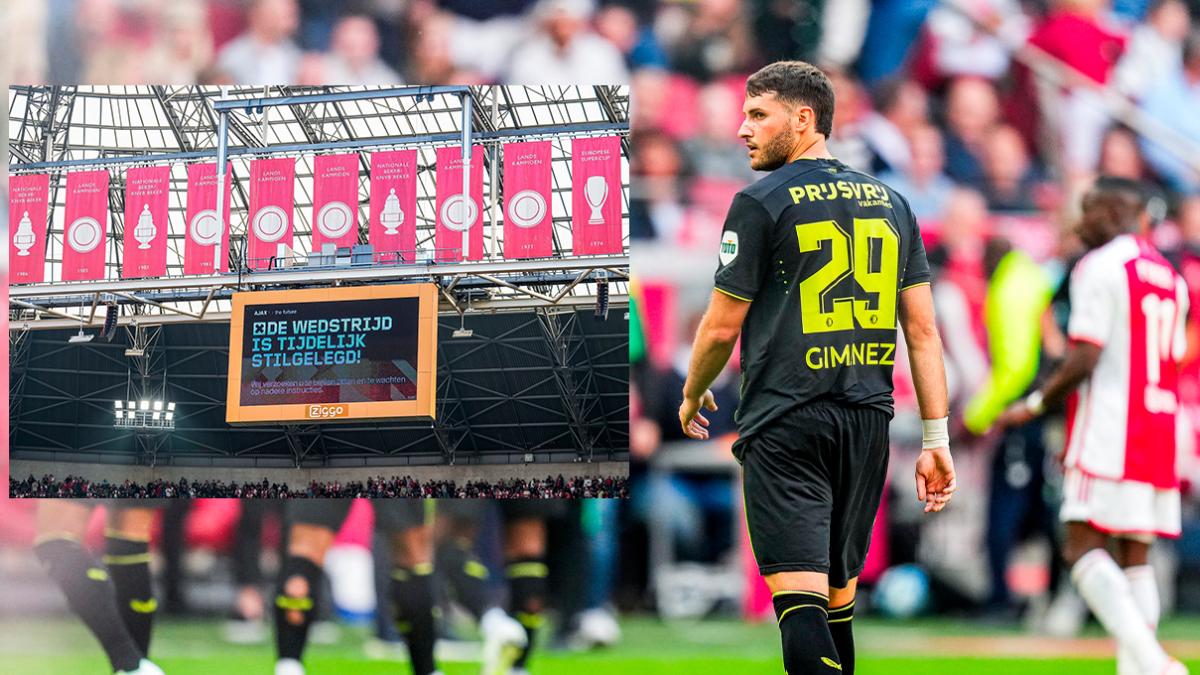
776	152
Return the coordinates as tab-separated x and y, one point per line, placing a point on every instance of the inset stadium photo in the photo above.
293	291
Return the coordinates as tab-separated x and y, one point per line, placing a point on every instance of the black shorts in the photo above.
812	481
391	515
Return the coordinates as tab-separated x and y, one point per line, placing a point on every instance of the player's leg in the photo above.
801	601
788	495
1133	555
411	535
454	531
310	534
127	557
526	571
858	472
841	616
1106	590
84	582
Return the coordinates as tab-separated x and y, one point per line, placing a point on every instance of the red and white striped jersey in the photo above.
1127	299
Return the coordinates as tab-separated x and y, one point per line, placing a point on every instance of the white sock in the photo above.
1145	594
1109	595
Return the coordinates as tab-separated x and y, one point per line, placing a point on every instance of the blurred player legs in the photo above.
114	600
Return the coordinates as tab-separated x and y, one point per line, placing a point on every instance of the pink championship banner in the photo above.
27	205
335	201
528	223
272	185
203	227
85	225
393	229
596	195
147	192
456	215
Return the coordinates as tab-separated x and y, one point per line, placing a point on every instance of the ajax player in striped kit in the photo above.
1128	309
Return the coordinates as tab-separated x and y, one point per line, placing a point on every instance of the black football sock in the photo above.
527	583
467	577
298	605
412	591
89	592
128	562
840	627
808	648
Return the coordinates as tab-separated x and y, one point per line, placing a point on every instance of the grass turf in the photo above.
62	646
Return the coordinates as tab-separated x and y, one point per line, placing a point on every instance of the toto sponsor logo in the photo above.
324	412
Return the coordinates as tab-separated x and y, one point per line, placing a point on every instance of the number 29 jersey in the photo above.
821	252
1128	300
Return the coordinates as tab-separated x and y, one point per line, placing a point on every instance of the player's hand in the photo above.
694	424
935	478
1016	415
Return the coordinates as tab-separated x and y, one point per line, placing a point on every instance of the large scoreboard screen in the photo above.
365	352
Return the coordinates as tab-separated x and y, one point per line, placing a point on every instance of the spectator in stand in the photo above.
716	152
565	50
959	291
1121	157
972	109
901	106
853	107
1155	51
637	43
923	183
655	201
1077	33
1009	177
1173	102
354	58
975	37
264	53
715	41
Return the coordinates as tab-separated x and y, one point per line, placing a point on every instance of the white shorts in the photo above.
1120	507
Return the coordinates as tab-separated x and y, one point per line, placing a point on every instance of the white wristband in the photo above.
1034	402
935	433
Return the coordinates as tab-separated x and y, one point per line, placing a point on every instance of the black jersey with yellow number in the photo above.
821	252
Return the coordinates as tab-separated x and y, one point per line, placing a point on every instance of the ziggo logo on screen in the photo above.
328	411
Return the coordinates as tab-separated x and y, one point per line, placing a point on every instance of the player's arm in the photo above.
1078	366
935	468
718	333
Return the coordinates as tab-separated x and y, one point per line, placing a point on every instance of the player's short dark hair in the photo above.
797	82
1135	191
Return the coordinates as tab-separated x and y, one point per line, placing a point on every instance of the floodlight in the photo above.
145	405
117	404
158	405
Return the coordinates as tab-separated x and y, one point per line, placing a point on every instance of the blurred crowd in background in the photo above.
403	487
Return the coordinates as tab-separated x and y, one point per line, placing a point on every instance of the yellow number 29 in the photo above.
874	272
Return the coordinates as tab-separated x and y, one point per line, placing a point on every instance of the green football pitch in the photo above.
62	647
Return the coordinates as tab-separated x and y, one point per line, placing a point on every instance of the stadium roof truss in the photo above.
539	375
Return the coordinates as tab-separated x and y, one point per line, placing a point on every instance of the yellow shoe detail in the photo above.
831	663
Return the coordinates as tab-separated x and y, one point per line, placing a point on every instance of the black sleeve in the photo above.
745	248
916	266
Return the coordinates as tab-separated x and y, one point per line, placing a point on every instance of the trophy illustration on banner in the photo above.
596	191
24	237
144	232
392	215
